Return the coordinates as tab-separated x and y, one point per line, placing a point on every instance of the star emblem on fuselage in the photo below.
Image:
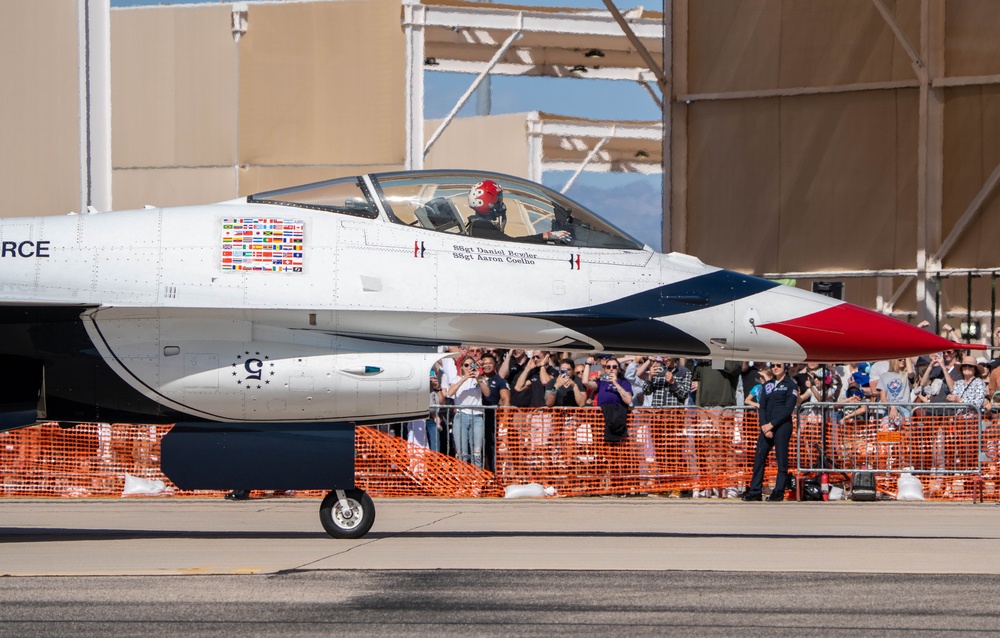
248	370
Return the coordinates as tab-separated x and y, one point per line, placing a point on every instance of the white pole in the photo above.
83	102
100	104
94	35
534	147
586	161
413	26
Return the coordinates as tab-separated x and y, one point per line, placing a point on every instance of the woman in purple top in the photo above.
614	395
611	388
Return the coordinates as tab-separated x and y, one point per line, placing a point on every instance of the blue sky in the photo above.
629	200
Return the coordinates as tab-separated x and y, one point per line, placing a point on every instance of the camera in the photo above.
605	377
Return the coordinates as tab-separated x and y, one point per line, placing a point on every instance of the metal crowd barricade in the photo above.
940	440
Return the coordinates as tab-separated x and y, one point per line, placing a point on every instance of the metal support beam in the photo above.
918	65
640	48
666	183
966	80
590	156
899	293
882	287
930	157
656	98
413	31
472	89
534	147
504	17
795	91
968	216
524	68
857	274
675	191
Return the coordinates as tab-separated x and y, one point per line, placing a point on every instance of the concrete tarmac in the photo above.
184	536
597	566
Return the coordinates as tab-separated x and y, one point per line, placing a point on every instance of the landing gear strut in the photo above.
347	513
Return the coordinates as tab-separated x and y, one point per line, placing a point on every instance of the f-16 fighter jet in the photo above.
268	326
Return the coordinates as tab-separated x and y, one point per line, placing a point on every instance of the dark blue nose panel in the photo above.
705	291
630	323
636	335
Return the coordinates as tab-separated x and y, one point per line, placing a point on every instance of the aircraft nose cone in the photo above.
850	333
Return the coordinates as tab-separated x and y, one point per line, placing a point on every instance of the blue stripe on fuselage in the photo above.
705	291
635	323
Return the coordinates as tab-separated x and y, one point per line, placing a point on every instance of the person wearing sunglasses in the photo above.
496	392
611	386
614	396
777	403
468	429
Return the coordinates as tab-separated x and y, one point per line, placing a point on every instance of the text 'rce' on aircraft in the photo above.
266	327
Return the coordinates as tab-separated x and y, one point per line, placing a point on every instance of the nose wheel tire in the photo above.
347	513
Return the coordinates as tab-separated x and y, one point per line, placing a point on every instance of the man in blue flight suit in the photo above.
777	403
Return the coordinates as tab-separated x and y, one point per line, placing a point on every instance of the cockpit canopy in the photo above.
438	201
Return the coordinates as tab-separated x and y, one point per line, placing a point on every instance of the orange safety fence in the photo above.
93	460
941	445
667	450
84	460
389	466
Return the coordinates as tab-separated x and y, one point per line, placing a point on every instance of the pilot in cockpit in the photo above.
486	199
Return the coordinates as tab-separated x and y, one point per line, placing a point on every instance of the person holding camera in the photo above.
819	384
611	389
942	367
666	383
468	428
565	389
529	392
496	393
614	396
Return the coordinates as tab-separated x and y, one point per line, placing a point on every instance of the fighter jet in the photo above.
268	326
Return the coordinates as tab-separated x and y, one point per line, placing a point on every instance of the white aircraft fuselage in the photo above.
290	307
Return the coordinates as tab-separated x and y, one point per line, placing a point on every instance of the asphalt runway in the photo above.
635	566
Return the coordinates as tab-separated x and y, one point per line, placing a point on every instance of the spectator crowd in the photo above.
472	377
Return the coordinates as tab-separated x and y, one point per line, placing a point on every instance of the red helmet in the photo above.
484	196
